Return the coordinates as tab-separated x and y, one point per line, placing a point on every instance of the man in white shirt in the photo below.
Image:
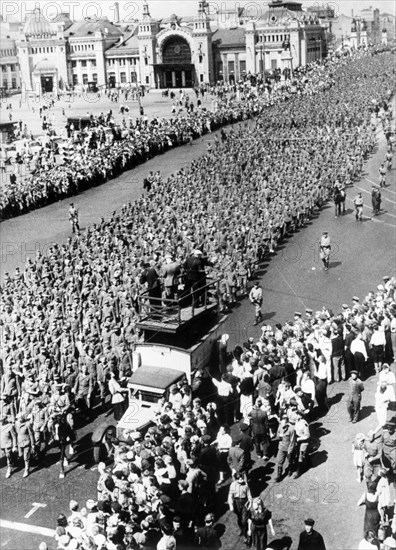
359	352
225	398
256	298
302	433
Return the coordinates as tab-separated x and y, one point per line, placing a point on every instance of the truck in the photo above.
181	341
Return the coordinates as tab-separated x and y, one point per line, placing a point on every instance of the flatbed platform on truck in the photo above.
174	316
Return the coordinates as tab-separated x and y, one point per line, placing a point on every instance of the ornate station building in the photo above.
44	56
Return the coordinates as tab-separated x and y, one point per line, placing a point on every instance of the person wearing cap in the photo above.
358	202
256	298
309	538
73	218
171	272
238	496
25	438
39	416
8	441
7	407
354	399
325	249
309	313
287	444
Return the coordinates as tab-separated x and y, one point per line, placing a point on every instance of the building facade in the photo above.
45	56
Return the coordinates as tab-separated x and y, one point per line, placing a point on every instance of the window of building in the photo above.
84	63
4	68
93	62
123	78
201	77
5	84
274	64
74	64
95	77
133	77
242	66
146	60
75	80
85	78
147	80
13	83
12	68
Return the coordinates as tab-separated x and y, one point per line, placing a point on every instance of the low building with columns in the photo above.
175	52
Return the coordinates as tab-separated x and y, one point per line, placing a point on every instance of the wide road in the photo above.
292	280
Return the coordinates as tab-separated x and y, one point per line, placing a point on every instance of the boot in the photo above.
298	472
8	473
279	474
26	472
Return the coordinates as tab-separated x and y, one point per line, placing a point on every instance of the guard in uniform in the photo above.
358	201
325	248
356	388
8	441
25	438
256	298
238	497
73	218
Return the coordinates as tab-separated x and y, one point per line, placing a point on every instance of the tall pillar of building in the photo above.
250	38
202	39
61	55
148	29
99	48
23	49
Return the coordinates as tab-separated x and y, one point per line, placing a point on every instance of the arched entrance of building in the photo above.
47	83
176	69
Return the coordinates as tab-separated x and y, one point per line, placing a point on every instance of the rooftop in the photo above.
88	27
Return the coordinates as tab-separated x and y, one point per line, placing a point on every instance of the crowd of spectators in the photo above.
105	149
158	490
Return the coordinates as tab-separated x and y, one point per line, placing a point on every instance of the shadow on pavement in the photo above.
317	458
366	411
281	544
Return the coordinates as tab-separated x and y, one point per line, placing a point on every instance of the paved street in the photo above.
292	280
